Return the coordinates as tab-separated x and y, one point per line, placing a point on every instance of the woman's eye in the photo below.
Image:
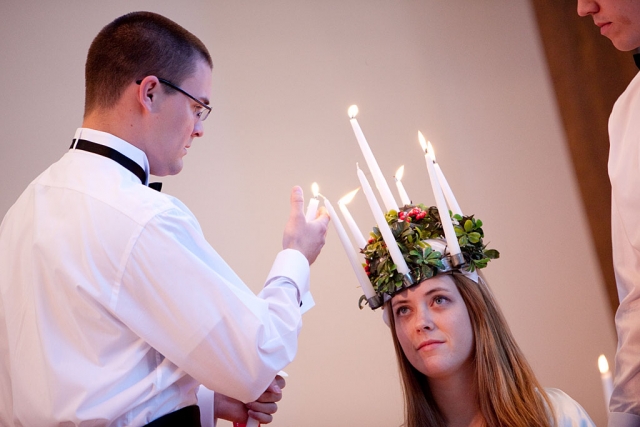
439	300
400	311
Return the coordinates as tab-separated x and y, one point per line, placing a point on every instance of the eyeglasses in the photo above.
202	114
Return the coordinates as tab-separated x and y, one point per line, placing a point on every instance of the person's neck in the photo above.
116	123
457	398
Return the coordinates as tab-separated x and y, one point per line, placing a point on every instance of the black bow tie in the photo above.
117	157
636	58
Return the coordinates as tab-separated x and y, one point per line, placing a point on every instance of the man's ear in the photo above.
147	93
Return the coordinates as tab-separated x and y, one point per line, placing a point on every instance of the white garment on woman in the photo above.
568	412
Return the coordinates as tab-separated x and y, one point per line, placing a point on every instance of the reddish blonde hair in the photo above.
509	394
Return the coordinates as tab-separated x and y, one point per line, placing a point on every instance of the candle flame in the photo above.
353	111
400	173
423	142
430	151
315	189
603	365
349	197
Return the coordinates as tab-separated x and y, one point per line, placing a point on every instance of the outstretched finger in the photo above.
297	201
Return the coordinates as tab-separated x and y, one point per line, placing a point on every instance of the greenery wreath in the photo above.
411	227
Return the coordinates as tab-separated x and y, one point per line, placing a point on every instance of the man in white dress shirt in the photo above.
113	307
619	20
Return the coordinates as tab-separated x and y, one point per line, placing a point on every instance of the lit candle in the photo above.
363	279
361	242
380	219
448	194
312	208
607	381
378	178
404	197
445	219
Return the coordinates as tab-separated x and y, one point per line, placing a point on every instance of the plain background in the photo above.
470	75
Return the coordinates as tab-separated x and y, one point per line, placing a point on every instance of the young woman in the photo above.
459	363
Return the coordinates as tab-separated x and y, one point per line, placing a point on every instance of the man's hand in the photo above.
262	409
306	237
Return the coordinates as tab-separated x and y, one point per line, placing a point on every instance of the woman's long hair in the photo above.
509	394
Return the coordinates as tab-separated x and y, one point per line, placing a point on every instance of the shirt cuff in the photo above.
205	403
291	264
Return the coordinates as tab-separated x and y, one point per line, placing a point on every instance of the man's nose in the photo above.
587	7
198	129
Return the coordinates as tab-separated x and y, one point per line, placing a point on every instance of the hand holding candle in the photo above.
252	422
404	197
312	208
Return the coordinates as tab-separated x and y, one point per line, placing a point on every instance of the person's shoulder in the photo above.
568	412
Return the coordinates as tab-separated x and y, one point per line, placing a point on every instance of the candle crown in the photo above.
420	236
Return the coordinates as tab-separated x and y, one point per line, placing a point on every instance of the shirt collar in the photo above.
118	144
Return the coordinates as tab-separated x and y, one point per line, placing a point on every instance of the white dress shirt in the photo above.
114	308
624	172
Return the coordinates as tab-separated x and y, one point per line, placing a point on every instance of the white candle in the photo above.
607	380
386	232
448	194
312	208
361	242
445	219
376	173
363	279
404	197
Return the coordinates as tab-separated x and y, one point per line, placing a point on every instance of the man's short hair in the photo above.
134	46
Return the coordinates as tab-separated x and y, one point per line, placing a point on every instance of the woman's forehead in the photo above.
442	281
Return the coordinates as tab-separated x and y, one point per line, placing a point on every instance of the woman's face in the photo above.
433	327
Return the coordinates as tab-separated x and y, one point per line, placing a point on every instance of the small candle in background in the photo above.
607	380
361	242
404	197
312	208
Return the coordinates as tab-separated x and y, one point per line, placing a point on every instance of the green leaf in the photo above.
468	225
474	237
478	223
463	241
492	254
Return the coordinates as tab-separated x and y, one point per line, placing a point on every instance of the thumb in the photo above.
297	201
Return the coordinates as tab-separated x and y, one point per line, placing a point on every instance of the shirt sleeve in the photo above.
180	297
205	403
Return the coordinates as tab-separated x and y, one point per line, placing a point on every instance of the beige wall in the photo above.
470	75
